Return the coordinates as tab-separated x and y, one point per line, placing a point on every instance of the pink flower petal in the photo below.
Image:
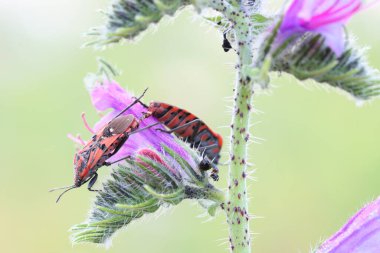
331	33
110	95
325	17
361	234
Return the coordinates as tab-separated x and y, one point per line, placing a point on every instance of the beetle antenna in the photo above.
67	189
137	100
60	188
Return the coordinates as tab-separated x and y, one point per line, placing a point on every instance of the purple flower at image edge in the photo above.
324	17
108	94
361	234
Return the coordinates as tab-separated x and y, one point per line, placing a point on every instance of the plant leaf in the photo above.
128	18
310	58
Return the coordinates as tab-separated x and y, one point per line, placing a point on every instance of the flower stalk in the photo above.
237	199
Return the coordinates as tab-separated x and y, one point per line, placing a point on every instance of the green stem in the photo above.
237	201
236	205
216	195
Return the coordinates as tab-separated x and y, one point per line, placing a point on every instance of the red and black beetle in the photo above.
191	129
104	144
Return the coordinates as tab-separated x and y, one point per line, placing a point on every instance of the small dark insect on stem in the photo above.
226	44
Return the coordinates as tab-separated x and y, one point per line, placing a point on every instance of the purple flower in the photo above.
361	234
324	17
108	94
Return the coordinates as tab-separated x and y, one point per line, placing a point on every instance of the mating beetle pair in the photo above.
107	142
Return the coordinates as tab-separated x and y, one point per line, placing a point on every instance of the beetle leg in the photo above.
208	146
141	103
177	128
92	182
110	163
144	128
214	174
132	104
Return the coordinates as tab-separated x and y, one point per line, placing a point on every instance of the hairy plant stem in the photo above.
237	200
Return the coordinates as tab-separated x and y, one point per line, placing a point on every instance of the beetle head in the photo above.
155	108
81	175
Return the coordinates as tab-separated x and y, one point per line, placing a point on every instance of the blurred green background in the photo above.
317	159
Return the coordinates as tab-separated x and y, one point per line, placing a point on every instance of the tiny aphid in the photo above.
226	44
